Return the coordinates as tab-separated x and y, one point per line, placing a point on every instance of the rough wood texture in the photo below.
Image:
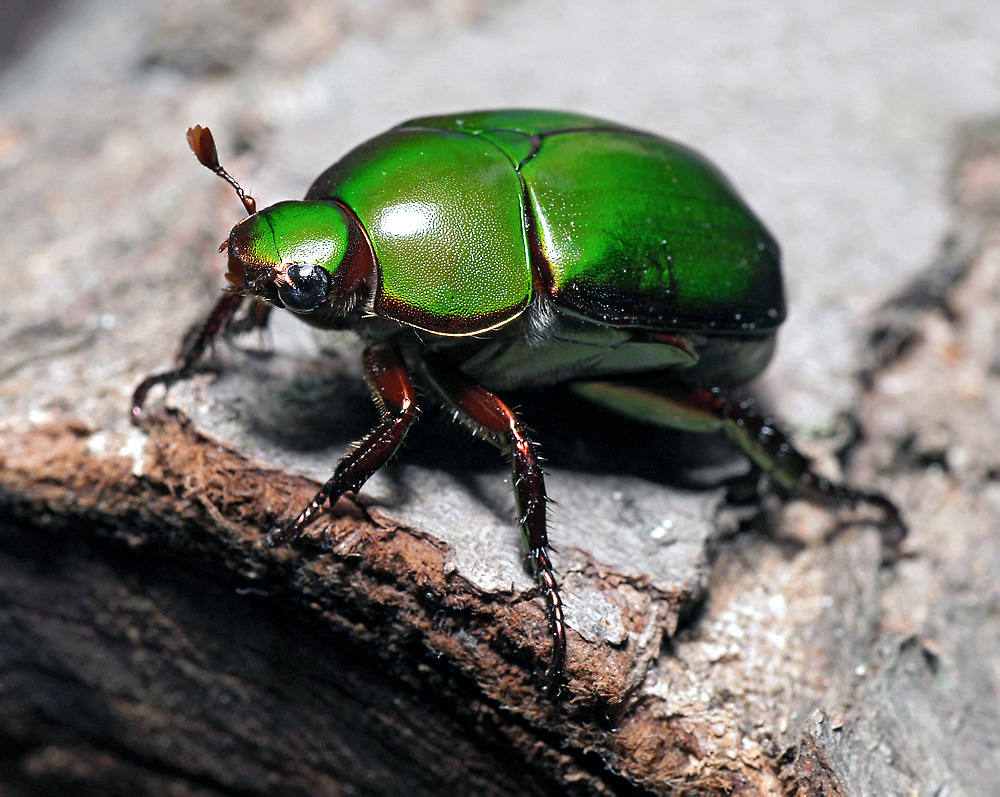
150	644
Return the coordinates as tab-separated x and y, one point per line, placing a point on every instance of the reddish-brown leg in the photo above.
192	347
490	416
256	317
390	383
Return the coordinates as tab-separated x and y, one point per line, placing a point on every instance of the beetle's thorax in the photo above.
311	257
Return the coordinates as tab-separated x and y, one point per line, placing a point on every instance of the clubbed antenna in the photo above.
202	144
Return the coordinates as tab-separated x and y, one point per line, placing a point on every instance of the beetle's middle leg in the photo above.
390	383
708	410
487	414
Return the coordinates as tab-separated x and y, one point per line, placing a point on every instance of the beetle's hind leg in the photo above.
487	414
770	449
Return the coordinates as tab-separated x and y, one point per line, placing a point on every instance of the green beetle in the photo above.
522	248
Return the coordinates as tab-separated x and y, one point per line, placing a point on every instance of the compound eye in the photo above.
310	287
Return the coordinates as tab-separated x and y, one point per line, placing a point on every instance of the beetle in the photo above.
481	252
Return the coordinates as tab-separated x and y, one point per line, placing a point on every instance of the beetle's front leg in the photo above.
192	347
489	415
390	383
258	313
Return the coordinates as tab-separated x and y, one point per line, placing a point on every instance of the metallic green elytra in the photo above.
514	249
618	225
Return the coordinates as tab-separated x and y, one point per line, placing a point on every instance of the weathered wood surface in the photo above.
150	644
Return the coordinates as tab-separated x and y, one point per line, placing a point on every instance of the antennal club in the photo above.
202	144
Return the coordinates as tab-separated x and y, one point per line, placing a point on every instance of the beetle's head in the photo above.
310	257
